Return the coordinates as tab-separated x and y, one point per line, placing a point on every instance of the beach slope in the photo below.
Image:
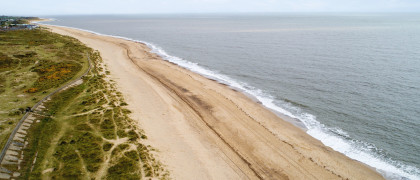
206	130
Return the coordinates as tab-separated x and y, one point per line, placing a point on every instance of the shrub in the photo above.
123	166
15	113
107	146
132	155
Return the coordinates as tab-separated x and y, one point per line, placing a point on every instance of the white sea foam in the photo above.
335	138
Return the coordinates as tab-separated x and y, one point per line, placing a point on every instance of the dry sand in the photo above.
206	130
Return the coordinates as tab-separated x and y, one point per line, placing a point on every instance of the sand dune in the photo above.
206	130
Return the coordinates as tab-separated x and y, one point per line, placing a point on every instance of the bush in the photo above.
15	113
6	61
132	155
107	146
132	135
54	74
124	166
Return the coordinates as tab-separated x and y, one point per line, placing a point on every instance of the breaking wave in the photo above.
333	137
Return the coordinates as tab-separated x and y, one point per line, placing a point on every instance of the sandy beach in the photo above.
205	130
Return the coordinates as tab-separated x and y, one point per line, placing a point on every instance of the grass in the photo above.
32	64
89	135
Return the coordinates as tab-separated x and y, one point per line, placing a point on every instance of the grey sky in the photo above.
55	7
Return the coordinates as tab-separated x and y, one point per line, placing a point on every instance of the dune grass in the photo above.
88	134
32	64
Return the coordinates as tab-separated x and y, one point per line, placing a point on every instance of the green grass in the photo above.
32	64
89	135
85	131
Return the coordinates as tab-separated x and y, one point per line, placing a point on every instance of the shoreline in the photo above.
295	121
266	124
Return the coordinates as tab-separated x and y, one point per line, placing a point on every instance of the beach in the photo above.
206	130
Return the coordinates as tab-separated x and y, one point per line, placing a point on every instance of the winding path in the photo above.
9	154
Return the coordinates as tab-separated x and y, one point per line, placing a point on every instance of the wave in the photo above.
333	137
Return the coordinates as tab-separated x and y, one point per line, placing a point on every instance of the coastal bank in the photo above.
206	130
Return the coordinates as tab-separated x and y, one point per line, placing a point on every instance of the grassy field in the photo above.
32	64
84	132
88	134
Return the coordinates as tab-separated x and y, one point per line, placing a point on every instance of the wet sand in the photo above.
206	130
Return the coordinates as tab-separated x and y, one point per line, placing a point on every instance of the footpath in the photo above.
12	152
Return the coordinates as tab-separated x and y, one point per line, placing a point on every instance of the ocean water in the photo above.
353	80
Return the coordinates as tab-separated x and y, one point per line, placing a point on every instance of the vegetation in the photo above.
88	134
8	20
84	132
32	64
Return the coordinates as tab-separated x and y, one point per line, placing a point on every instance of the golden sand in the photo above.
206	130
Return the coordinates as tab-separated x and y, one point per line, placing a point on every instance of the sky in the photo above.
66	7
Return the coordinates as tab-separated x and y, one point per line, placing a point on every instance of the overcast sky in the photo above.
56	7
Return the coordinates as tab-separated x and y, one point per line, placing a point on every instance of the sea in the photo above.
351	80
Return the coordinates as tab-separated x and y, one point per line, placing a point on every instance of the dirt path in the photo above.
12	153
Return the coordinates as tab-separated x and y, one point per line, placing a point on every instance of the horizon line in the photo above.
222	13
